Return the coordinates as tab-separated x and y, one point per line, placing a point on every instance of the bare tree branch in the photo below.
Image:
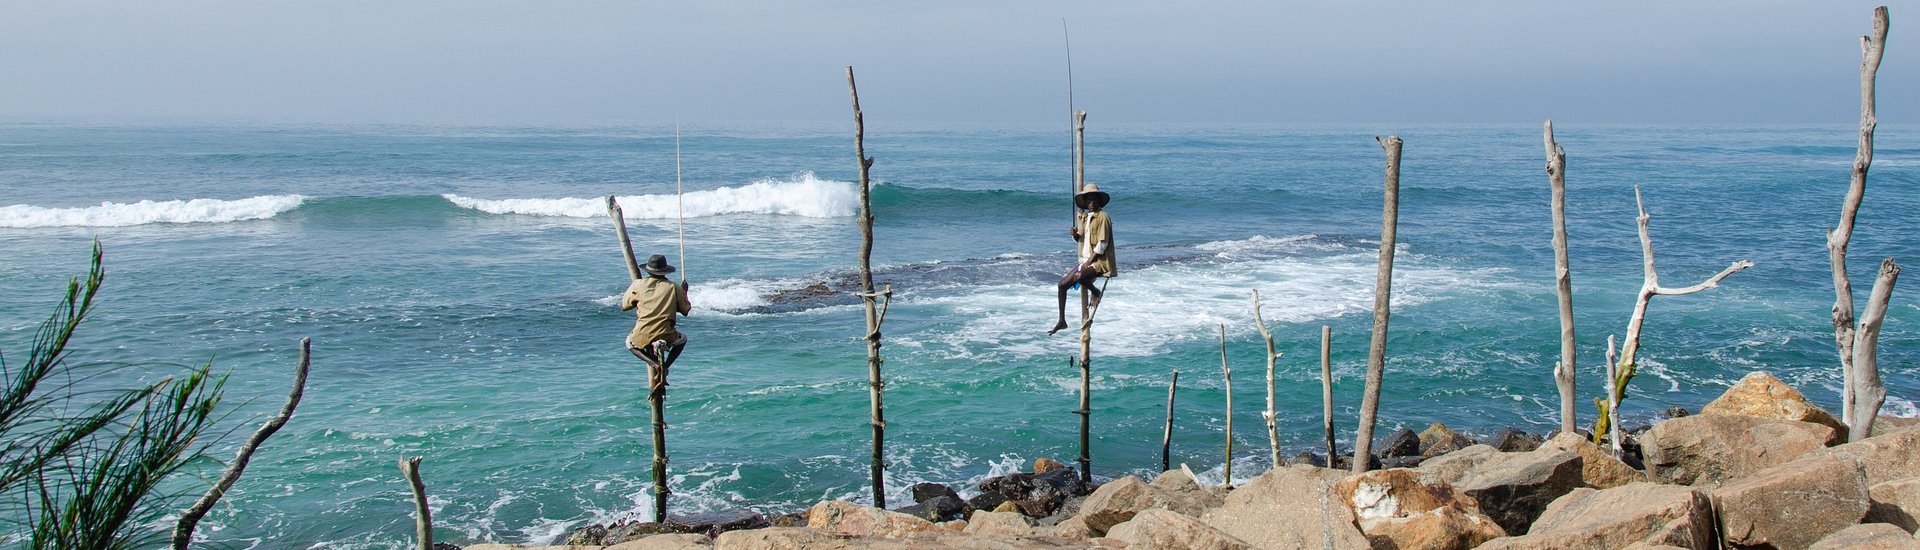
1869	392
1563	371
183	530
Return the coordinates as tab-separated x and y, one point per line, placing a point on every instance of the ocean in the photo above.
459	285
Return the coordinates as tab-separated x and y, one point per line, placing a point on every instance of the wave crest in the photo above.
113	214
801	195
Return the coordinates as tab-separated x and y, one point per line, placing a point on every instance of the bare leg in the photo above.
1078	275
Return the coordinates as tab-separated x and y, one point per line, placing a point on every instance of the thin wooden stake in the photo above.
1869	392
657	408
1613	402
875	315
1871	48
423	517
1563	371
1273	430
626	245
1166	438
183	530
1086	310
1630	346
1326	386
1383	285
1227	374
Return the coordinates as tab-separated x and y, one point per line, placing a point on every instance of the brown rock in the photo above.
1515	488
1883	424
1895	502
846	518
1455	466
1043	465
958	525
1792	505
1162	529
1889	457
1867	536
1447	528
1120	499
1291	507
1073	528
676	541
1622	516
1408	509
1598	468
1761	395
1711	450
1007	506
1510	440
1437	440
1000	523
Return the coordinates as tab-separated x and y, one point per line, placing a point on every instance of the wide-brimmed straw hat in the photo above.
1091	196
657	265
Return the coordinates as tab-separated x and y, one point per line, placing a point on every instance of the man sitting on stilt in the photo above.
1096	250
655	300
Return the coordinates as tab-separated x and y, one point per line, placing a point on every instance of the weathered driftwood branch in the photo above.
1869	392
423	517
1166	438
874	383
1273	430
1630	347
620	227
1227	374
1377	349
183	530
1326	387
1563	371
1613	402
1871	48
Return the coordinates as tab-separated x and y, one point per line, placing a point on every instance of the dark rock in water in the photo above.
924	491
1308	458
445	546
987	500
1510	440
1674	412
1345	462
706	523
938	509
790	519
591	535
1401	443
1402	461
1036	495
1067	509
1438	440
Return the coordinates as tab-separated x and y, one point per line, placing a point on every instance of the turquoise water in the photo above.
459	284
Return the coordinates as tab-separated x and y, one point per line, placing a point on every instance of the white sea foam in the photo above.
113	214
800	195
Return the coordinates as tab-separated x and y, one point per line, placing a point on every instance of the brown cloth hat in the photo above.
1091	196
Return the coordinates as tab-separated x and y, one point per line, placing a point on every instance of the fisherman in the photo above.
1095	236
655	300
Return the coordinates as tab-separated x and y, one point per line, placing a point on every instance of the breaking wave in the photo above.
114	214
801	195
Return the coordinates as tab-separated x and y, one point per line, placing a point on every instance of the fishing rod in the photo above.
681	199
1072	166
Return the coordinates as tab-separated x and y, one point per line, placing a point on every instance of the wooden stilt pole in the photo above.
1326	387
1086	310
1273	430
1226	373
1382	294
423	517
656	382
1166	438
876	313
1563	371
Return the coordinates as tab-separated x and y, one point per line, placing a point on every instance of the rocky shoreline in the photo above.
1759	467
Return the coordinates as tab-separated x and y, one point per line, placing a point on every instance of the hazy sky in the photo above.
1398	61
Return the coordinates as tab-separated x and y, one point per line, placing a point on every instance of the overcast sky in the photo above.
500	61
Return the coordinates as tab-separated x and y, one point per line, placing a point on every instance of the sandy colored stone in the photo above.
958	525
1884	424
1118	500
1408	509
1889	457
1001	523
1598	468
1515	488
846	518
671	541
1760	395
1895	502
1638	512
1712	450
1007	506
1867	536
1454	466
1073	528
1156	529
1446	528
1291	507
1438	439
1793	505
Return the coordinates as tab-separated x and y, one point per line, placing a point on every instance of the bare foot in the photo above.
1056	328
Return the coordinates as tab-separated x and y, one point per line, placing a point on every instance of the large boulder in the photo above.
1598	468
1867	536
1760	395
1074	528
1514	488
1037	495
675	541
1510	440
1455	466
1884	424
1118	500
1002	523
937	509
1711	450
845	518
1438	439
1408	509
1895	502
1291	507
1792	505
1638	513
1889	457
1403	443
1156	528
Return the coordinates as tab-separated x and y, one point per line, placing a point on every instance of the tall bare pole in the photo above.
1383	287
1868	392
1562	279
1649	288
183	530
1166	438
423	516
1273	429
656	392
680	200
1326	387
1086	311
1227	374
876	313
1871	48
1076	122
